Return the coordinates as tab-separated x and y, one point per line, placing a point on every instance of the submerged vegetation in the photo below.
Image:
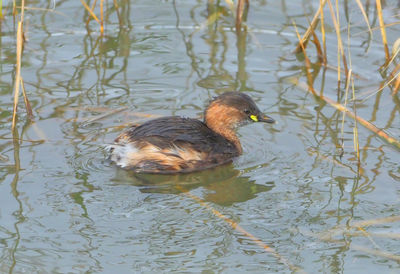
314	54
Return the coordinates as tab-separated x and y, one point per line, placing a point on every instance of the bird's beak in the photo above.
262	118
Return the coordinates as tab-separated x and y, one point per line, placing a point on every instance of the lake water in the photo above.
297	188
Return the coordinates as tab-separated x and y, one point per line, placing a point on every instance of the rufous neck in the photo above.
220	120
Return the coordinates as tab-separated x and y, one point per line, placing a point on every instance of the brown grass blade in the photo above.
314	22
307	61
383	30
380	132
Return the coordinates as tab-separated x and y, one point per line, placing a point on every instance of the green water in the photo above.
65	209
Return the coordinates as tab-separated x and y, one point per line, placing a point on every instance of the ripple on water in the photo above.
91	160
257	149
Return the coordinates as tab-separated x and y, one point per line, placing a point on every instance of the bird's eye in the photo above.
247	111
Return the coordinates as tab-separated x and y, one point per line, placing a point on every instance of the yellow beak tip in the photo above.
254	118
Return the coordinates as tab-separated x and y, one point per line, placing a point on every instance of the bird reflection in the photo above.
224	185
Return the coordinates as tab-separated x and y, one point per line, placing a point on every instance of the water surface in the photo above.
64	208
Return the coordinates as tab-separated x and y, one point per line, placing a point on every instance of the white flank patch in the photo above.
122	154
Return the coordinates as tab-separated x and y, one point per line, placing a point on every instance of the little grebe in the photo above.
176	145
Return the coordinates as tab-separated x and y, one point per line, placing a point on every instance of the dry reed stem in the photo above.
349	77
367	235
335	21
17	80
365	16
1	9
397	83
380	132
395	77
307	61
117	10
394	74
93	5
241	230
395	52
101	16
90	10
395	48
14	9
26	100
377	28
383	30
345	104
355	129
313	25
239	12
320	52
322	18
